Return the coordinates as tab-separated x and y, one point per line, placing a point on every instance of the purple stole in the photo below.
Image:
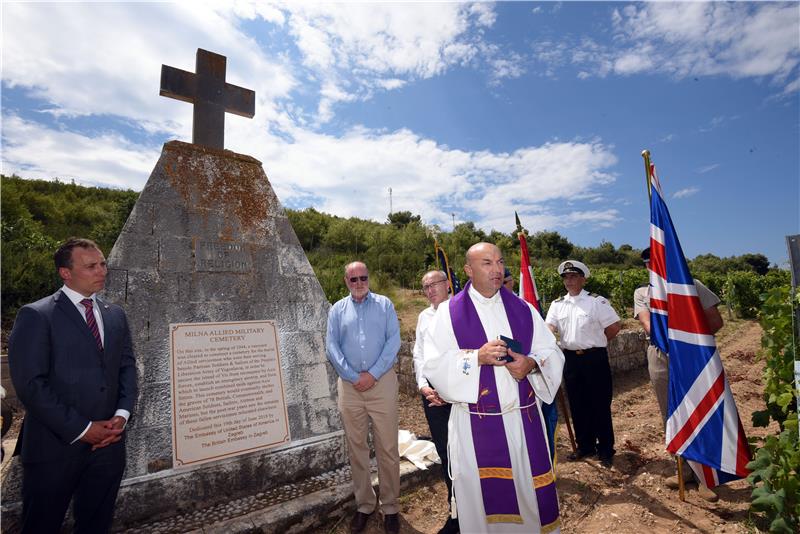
488	432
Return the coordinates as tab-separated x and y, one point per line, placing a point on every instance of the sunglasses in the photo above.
354	279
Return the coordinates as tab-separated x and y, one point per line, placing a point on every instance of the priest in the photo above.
503	480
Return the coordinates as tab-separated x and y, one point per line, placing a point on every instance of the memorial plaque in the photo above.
219	256
227	390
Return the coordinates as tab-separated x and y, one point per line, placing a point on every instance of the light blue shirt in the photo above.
363	336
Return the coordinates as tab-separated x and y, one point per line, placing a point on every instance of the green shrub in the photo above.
775	469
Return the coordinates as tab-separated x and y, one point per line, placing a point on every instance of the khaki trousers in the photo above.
658	367
378	404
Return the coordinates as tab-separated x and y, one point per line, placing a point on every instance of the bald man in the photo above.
499	459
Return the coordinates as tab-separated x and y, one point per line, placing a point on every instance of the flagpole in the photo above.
565	410
646	156
681	494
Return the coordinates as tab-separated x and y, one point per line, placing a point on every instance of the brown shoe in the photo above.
359	522
707	493
391	523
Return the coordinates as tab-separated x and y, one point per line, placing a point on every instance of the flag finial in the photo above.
646	156
519	224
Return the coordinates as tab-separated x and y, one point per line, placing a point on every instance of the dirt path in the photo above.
631	497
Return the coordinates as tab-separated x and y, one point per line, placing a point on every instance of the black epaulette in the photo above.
595	295
644	285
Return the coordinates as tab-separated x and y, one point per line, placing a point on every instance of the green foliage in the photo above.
775	469
743	290
550	245
309	225
756	263
401	219
36	216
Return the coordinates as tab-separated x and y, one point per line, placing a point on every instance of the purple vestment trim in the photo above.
488	432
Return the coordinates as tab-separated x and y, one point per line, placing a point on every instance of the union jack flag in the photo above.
703	425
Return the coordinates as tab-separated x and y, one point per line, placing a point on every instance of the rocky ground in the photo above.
630	497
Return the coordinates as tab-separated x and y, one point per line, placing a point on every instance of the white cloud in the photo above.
391	83
687	192
736	39
484	12
424	175
707	168
716	122
792	87
356	47
34	151
506	68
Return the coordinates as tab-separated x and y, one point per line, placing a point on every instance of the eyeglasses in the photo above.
354	279
428	286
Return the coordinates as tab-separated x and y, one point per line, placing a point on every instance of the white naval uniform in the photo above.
581	320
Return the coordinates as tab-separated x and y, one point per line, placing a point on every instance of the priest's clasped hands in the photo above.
492	353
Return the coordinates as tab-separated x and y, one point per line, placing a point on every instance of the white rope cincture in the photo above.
504	412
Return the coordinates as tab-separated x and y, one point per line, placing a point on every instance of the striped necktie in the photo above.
90	320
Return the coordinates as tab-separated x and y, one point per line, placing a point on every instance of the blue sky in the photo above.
472	109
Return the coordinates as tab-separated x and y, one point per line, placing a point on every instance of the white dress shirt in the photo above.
423	323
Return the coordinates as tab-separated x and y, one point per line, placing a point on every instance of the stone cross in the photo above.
211	96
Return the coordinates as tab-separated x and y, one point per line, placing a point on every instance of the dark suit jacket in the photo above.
61	377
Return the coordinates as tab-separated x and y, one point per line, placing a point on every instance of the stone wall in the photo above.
404	367
626	352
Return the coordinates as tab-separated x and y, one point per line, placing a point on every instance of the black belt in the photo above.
581	352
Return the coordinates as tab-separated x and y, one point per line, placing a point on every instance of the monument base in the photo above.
174	492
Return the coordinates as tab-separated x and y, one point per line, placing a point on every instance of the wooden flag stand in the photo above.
565	410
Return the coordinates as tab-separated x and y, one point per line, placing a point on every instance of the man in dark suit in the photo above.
72	365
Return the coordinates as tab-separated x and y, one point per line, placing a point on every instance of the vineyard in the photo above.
776	466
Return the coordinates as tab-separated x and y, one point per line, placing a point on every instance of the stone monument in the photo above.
208	242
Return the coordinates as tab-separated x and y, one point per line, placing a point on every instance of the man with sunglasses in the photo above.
362	344
437	411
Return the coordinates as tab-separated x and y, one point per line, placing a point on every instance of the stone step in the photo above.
293	508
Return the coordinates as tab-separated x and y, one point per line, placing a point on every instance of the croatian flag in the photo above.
527	285
703	425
